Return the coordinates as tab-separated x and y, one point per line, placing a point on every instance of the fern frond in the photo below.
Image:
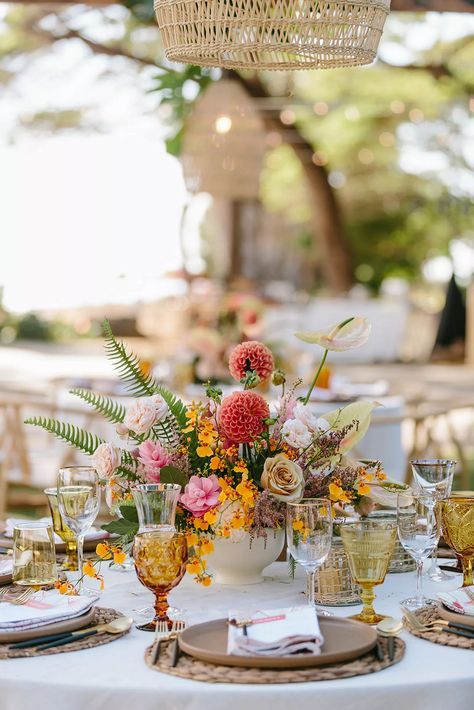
127	365
109	408
79	438
175	404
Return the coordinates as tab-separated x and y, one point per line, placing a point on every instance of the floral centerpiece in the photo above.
238	458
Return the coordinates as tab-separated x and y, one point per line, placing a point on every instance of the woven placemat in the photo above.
102	616
194	669
436	636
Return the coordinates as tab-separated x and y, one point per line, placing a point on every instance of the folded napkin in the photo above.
275	632
92	534
458	600
6	565
43	608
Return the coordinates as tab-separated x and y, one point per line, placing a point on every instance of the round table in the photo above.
115	677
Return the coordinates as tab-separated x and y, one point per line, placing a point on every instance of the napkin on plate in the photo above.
43	608
275	632
92	534
6	565
458	600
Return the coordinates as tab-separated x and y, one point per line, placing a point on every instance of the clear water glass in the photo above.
309	535
78	503
418	531
434	477
34	554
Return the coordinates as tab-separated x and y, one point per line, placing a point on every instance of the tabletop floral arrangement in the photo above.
238	459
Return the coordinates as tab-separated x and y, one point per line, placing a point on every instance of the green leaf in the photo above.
128	366
176	405
123	527
79	438
111	410
129	512
171	474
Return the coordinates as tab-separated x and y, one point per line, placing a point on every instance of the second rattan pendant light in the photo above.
272	34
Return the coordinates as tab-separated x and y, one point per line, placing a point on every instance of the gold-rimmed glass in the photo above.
309	535
34	556
160	562
63	530
457	517
369	545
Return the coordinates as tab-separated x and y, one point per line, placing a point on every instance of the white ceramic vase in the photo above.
243	561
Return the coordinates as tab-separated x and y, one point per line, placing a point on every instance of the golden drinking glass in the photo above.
34	556
457	516
369	545
160	562
61	529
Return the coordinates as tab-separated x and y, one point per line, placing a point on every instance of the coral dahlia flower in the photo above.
251	355
242	416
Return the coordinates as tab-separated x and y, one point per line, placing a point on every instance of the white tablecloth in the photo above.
115	677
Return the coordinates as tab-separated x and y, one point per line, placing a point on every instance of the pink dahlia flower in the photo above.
242	416
201	494
251	355
153	456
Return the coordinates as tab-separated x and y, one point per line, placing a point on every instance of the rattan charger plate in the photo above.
102	616
193	669
442	637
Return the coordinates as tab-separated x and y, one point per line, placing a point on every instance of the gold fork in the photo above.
437	625
10	595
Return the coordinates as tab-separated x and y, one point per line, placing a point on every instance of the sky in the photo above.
94	217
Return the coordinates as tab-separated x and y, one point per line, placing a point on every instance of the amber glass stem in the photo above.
70	563
467	571
367	595
161	606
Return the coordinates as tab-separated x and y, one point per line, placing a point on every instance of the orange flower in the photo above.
88	569
336	493
238	521
200	524
191	538
247	491
65	587
204	451
241	467
205	580
193	566
216	463
363	488
211	516
103	551
206	547
298	525
119	556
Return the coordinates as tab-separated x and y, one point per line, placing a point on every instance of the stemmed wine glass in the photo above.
78	502
309	534
418	531
434	477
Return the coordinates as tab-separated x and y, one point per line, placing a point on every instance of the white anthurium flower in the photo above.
359	412
385	493
351	333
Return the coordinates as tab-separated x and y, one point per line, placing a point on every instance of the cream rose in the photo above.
283	479
140	416
106	459
296	434
161	408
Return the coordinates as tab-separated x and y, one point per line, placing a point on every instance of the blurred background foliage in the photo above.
393	145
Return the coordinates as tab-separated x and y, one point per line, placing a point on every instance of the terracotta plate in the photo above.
344	639
89	545
58	627
449	615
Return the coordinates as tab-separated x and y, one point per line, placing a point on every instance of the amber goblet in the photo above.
457	517
369	545
160	563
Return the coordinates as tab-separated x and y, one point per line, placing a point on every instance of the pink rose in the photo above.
153	456
201	494
106	459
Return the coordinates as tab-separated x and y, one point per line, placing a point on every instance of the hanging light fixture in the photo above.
224	143
272	34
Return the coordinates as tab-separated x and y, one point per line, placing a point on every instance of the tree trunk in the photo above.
336	259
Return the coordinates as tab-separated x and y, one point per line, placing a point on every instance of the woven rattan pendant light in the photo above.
271	34
224	143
